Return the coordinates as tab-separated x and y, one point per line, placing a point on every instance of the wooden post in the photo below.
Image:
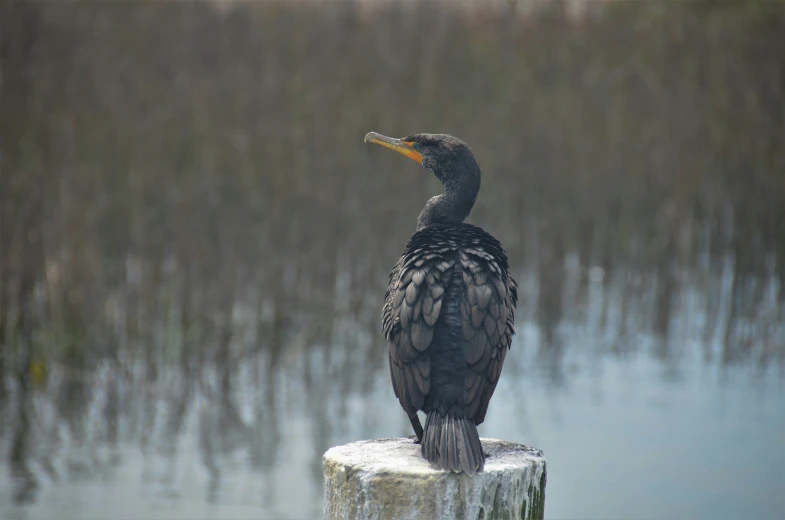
388	478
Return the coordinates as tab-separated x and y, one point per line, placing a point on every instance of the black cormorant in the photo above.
449	310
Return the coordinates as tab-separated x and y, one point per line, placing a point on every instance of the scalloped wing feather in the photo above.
413	304
412	307
488	317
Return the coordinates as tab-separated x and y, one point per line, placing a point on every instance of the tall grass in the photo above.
164	166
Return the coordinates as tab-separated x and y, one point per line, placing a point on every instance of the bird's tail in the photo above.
452	444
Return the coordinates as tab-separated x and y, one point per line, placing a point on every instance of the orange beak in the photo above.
404	147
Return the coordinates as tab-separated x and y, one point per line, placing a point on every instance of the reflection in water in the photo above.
25	480
241	429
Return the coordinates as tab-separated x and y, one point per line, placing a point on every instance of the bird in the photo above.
449	310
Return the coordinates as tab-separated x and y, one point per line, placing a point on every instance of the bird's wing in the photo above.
488	317
412	306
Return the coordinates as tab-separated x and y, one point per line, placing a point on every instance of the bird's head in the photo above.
447	157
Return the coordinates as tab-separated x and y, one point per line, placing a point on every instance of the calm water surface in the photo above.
633	426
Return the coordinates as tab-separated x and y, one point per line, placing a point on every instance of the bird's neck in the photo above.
451	207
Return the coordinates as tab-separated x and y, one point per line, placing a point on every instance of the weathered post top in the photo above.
388	478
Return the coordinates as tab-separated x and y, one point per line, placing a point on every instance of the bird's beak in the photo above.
398	145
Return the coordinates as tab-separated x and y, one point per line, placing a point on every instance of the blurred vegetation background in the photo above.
184	187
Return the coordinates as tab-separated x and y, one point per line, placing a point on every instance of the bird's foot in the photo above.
418	431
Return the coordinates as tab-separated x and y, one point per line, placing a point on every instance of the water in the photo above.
627	432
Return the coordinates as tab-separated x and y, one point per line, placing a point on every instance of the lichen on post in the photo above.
388	478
